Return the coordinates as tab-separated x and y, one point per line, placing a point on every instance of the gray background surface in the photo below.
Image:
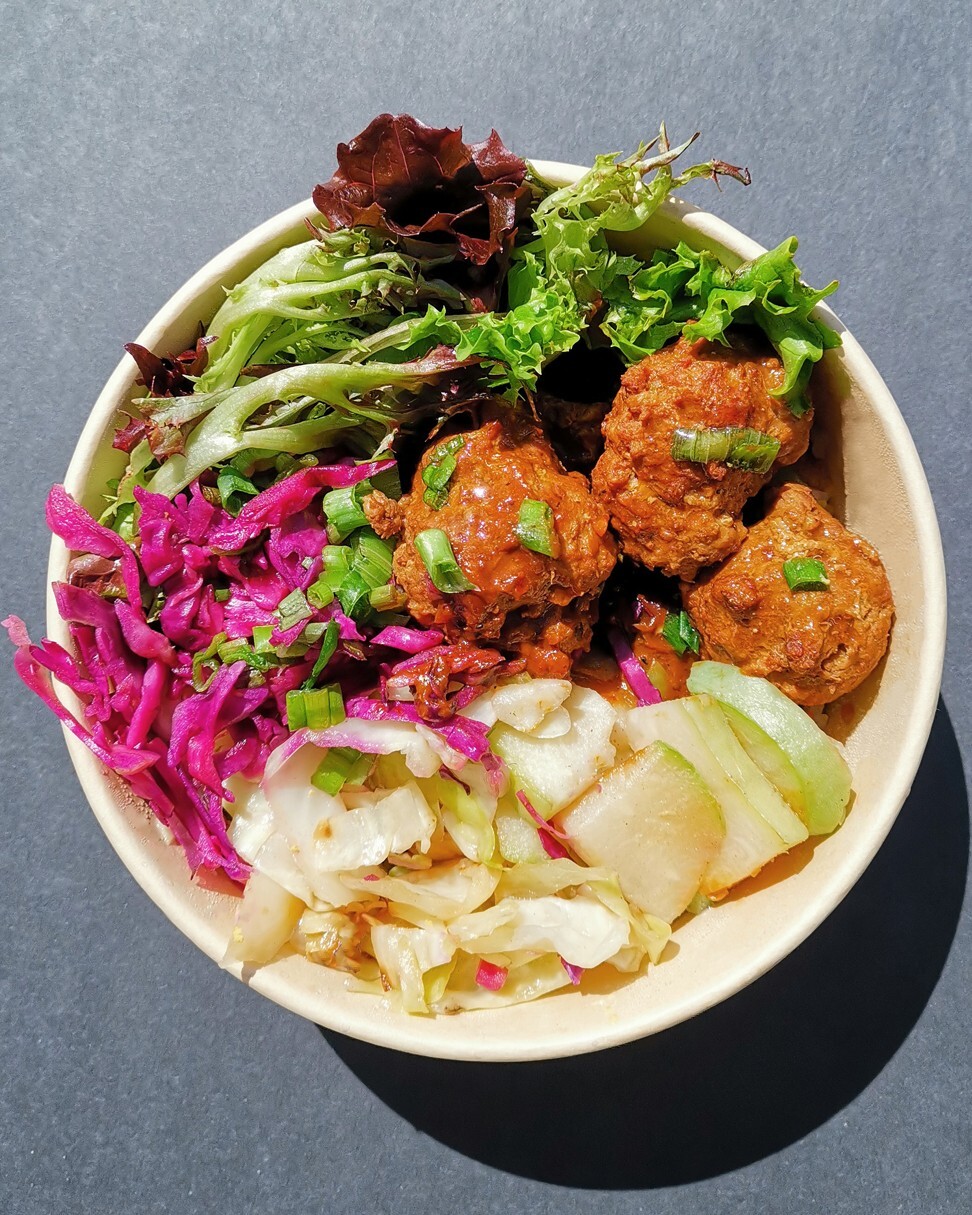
137	141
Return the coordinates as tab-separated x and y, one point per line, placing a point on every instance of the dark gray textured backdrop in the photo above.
139	139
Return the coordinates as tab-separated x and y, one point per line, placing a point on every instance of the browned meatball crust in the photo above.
678	516
540	607
814	645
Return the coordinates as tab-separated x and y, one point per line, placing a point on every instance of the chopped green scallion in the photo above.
738	446
388	598
234	488
535	529
438	472
438	475
292	609
343	510
315	708
435	549
449	447
372	558
354	596
337	566
329	643
207	658
319	594
680	633
341	766
435	499
238	650
806	574
261	638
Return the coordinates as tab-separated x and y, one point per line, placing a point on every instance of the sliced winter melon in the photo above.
750	841
655	823
823	772
711	723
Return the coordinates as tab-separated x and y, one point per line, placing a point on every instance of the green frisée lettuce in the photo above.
341	330
318	300
301	409
557	280
569	278
687	291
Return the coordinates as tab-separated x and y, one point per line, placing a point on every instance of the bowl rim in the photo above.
399	1031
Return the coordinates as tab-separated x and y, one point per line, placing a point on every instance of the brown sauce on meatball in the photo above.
540	607
676	515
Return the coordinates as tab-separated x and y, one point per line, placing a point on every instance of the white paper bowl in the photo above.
886	498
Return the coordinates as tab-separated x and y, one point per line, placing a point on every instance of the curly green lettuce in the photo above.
559	278
318	300
567	282
683	288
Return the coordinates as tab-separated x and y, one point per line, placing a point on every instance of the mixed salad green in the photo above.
242	656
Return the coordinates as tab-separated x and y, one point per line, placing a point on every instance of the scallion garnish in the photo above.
372	558
341	766
343	510
805	574
329	642
535	528
207	658
319	593
235	651
388	598
315	708
221	594
435	549
337	566
354	596
680	633
234	488
435	499
438	472
292	609
738	446
261	638
449	447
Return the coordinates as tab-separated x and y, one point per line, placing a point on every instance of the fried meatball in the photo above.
542	608
814	645
678	516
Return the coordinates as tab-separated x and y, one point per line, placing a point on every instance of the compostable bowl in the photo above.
880	491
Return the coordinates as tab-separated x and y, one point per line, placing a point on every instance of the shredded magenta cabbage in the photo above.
574	973
550	834
634	674
490	976
174	729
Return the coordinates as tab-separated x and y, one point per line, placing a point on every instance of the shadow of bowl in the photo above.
746	1078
